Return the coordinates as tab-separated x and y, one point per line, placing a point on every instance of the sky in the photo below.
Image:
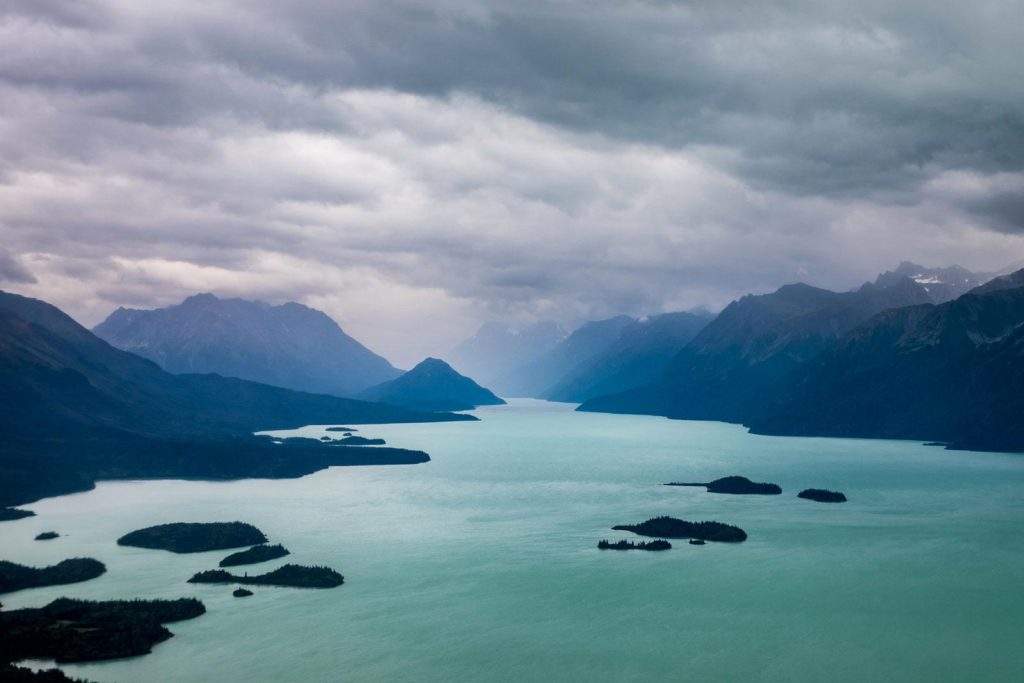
417	168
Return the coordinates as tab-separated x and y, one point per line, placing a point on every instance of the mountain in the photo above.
940	284
637	358
590	340
288	346
74	409
752	346
952	372
432	385
495	350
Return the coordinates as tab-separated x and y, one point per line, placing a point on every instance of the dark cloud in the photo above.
12	270
408	163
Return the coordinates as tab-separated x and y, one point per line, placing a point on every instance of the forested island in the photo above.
47	536
11	514
69	630
822	495
634	545
292	575
735	485
257	553
194	537
359	441
670	527
14	577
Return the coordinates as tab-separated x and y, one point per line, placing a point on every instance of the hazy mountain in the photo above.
752	346
432	385
637	358
289	346
941	284
590	340
56	375
496	349
952	372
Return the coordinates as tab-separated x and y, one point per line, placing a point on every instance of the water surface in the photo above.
482	564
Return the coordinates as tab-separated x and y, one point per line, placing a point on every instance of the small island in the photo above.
69	630
47	536
11	514
257	553
14	577
735	485
696	541
194	537
341	429
291	575
358	441
241	592
632	545
822	495
670	527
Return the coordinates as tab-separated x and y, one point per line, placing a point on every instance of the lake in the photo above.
482	564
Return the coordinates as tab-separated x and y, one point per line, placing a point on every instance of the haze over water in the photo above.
482	564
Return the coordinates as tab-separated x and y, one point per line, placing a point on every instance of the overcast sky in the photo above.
414	169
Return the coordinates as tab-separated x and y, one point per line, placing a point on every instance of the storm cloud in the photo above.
417	168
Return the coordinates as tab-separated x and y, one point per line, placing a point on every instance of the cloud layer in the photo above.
416	169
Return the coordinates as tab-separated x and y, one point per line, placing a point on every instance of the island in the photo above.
292	575
47	536
69	630
696	541
341	429
670	527
11	514
735	485
631	545
241	592
358	441
822	495
194	537
257	553
15	577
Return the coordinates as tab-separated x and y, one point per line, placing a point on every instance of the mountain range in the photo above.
73	408
493	354
432	385
290	345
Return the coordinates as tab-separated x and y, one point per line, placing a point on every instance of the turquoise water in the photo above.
482	564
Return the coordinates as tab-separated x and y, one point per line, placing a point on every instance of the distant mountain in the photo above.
289	346
752	346
940	284
495	350
535	377
952	372
74	409
432	385
638	357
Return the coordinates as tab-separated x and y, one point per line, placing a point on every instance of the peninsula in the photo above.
14	577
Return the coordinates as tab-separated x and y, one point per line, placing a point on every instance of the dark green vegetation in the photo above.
670	527
257	553
289	346
341	429
19	674
633	545
241	592
432	385
293	575
822	495
73	409
194	537
735	485
359	441
14	577
696	541
11	514
892	359
82	631
47	536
